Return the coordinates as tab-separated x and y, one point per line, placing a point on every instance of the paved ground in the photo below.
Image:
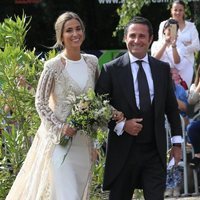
184	198
180	198
105	197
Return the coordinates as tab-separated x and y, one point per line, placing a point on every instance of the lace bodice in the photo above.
54	88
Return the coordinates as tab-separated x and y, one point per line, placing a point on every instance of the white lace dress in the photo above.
43	176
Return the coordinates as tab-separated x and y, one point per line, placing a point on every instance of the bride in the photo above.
44	175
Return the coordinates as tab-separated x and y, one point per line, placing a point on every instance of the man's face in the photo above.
138	40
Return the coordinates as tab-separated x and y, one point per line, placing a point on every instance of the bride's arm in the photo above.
47	116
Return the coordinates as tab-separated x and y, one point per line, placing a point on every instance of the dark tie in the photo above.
144	95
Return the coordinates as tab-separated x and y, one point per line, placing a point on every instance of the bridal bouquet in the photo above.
90	114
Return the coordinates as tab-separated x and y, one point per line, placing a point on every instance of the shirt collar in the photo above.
133	58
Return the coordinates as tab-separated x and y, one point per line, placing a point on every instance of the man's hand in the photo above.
133	126
176	152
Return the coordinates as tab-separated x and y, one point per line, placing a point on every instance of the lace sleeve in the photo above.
44	89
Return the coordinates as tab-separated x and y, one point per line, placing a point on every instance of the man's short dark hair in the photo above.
139	20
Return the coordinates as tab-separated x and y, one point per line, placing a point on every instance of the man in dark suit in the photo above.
136	148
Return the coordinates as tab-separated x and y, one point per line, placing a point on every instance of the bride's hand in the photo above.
94	154
69	131
118	116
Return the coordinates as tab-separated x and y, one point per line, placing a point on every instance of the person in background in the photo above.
187	35
175	174
44	174
136	149
168	49
193	128
171	50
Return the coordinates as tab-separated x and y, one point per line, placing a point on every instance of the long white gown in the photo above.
44	175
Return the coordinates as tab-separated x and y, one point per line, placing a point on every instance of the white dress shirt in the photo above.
147	69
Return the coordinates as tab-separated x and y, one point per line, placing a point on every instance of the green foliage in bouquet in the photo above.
90	113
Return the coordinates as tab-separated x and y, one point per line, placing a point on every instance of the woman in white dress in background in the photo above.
44	175
170	50
188	37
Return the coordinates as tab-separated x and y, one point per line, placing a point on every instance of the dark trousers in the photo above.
143	167
194	135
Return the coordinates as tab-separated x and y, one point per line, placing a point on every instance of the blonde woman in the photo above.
44	175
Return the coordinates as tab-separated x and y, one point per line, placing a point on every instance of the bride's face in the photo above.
72	36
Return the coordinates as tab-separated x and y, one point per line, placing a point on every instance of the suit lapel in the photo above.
156	82
126	80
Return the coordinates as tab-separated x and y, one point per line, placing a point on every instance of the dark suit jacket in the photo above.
116	80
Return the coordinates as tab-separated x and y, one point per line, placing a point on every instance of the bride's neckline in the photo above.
63	55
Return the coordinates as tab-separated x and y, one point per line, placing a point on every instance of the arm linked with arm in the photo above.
104	86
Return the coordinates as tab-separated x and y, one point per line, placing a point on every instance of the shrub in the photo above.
19	73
